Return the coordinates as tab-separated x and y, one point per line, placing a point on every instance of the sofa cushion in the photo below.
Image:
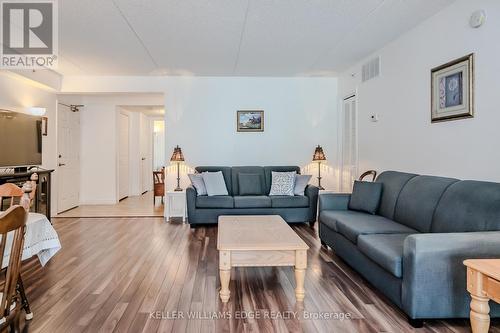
393	182
249	184
355	224
365	197
329	217
385	249
285	201
254	170
301	182
226	172
468	205
214	183
268	171
198	183
418	200
252	201
220	201
282	183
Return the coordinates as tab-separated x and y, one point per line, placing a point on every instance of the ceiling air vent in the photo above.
371	69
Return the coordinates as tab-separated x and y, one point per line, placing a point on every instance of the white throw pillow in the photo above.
282	183
198	183
301	182
214	183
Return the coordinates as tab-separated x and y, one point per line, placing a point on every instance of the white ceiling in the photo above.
229	37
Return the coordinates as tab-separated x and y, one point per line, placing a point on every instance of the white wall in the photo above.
19	92
404	138
99	146
300	113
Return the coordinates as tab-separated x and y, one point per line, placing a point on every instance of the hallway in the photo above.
134	206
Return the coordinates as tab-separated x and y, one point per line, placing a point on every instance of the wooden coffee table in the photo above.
262	240
483	284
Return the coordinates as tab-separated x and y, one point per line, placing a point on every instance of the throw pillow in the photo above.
282	183
249	184
214	183
301	182
365	197
198	183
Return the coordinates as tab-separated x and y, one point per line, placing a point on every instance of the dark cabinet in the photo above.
41	202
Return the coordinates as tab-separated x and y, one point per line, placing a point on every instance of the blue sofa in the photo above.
412	249
207	209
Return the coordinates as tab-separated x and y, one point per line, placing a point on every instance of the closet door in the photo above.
349	166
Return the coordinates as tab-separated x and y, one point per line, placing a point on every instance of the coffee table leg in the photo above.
300	274
479	314
225	274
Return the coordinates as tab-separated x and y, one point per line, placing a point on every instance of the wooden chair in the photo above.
25	197
158	185
372	173
13	220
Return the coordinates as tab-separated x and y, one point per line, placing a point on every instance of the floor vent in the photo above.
371	69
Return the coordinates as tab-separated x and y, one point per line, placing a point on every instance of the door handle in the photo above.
62	164
143	159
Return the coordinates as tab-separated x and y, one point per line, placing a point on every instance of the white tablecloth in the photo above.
40	239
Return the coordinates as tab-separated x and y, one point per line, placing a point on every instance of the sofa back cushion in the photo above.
269	169
365	197
418	200
226	172
240	180
468	206
392	184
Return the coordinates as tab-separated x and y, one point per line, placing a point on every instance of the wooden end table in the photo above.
264	240
483	284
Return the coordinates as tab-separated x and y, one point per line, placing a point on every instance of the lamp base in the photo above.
178	189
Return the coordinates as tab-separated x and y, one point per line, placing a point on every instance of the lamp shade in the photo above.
319	155
177	155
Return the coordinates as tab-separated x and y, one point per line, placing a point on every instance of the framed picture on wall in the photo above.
452	90
250	121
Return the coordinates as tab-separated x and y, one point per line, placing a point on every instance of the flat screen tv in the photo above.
20	139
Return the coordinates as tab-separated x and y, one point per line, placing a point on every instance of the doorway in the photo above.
68	166
123	156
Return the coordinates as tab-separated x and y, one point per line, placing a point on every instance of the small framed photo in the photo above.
45	124
250	121
452	90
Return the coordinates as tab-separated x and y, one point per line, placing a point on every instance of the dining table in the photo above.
41	240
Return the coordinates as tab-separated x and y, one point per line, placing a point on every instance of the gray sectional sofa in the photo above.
207	209
412	249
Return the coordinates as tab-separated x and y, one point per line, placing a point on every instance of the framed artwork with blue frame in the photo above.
452	90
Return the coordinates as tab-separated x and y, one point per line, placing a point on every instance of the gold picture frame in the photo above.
452	90
250	121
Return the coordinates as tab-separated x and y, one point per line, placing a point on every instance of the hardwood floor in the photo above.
139	206
145	275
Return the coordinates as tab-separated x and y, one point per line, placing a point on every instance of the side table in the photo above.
175	205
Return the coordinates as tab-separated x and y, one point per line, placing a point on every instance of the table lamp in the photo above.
177	157
319	156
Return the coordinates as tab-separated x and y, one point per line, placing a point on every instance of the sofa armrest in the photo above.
311	192
334	201
434	277
191	195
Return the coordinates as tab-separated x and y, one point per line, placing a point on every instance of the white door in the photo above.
123	156
68	169
146	163
349	168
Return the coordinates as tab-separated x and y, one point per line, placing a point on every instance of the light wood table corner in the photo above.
483	284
